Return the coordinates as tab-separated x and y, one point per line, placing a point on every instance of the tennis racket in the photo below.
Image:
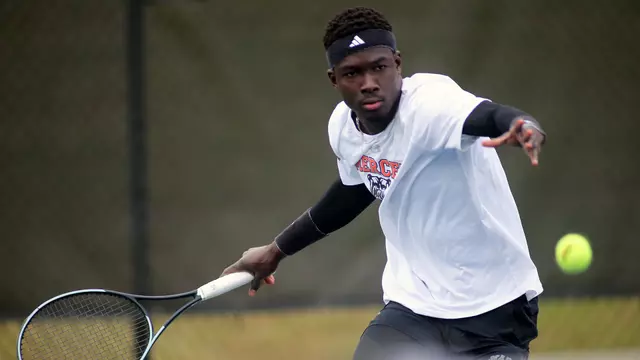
104	324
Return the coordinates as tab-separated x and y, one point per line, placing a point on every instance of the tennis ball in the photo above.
573	253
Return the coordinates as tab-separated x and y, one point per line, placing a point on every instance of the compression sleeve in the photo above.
492	120
340	205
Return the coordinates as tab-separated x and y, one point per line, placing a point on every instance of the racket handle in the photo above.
224	284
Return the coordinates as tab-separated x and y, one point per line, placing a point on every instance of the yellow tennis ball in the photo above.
573	253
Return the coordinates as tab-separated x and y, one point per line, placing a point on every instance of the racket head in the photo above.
86	324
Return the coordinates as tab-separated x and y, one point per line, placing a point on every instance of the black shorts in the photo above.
397	333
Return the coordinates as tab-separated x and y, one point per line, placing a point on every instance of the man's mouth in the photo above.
372	105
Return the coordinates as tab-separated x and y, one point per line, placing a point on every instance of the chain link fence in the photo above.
237	102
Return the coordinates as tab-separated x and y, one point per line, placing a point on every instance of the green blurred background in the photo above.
236	104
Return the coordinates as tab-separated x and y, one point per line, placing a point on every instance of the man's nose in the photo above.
369	84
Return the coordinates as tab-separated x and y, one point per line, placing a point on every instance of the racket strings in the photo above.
87	326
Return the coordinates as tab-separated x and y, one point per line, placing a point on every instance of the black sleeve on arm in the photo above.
338	207
492	120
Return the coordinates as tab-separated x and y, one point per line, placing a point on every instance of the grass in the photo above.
321	334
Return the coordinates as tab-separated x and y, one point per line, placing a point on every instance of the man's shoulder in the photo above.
433	94
338	119
340	114
425	94
337	124
422	84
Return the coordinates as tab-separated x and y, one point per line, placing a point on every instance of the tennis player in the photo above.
459	280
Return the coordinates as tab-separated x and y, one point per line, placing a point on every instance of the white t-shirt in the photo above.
454	240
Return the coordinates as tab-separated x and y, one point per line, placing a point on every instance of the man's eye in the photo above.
349	74
380	67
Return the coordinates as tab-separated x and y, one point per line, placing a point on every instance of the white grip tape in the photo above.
224	284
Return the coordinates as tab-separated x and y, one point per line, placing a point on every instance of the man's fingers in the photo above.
534	157
257	282
255	285
229	270
495	141
533	146
502	139
517	126
532	149
526	136
513	136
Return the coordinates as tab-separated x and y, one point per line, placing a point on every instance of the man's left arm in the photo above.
505	125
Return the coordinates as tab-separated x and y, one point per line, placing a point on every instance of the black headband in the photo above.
348	45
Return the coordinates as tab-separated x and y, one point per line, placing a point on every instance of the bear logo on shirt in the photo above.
380	174
378	185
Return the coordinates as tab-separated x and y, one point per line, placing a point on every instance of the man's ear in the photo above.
332	77
398	60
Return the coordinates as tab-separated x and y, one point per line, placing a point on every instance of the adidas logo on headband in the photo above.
352	43
356	41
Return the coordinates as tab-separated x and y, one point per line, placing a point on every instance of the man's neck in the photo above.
375	126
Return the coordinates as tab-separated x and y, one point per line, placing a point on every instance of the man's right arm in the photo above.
340	205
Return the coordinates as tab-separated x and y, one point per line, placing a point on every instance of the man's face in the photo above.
369	81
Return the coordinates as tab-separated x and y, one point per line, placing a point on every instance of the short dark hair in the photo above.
353	20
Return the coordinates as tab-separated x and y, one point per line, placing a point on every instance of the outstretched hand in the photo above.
526	136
